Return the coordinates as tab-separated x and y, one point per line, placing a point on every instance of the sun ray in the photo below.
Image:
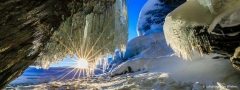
71	27
80	48
62	70
98	51
68	73
99	37
79	73
75	73
85	51
71	41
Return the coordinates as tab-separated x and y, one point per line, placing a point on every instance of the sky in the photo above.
134	8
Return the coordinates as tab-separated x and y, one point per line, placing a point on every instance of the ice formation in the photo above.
148	46
180	27
207	4
152	15
142	25
143	43
91	36
232	19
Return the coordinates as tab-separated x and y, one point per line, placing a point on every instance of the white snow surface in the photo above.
145	44
162	73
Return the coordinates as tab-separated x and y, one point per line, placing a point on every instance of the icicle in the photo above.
91	36
182	38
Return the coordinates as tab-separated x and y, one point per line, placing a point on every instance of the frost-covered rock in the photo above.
152	15
185	28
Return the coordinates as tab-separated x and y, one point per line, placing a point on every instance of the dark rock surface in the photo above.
224	44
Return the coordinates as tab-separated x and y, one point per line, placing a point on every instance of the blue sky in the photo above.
134	8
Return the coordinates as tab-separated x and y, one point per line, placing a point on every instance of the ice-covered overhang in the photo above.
204	25
90	36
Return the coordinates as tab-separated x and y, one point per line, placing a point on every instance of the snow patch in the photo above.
143	43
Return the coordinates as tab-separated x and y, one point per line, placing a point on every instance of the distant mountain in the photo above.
34	76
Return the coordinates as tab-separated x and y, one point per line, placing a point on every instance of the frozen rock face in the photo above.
45	31
153	13
203	25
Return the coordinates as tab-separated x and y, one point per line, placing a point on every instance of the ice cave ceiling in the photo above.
39	32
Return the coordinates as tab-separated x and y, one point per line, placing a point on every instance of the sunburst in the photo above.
86	43
82	63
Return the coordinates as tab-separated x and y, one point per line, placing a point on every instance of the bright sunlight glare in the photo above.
82	63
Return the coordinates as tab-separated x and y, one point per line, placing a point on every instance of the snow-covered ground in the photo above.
162	73
33	76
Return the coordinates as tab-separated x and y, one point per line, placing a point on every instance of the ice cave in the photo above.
180	45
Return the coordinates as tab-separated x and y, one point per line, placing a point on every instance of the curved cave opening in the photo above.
41	32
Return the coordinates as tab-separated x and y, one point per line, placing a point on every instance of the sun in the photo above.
82	63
